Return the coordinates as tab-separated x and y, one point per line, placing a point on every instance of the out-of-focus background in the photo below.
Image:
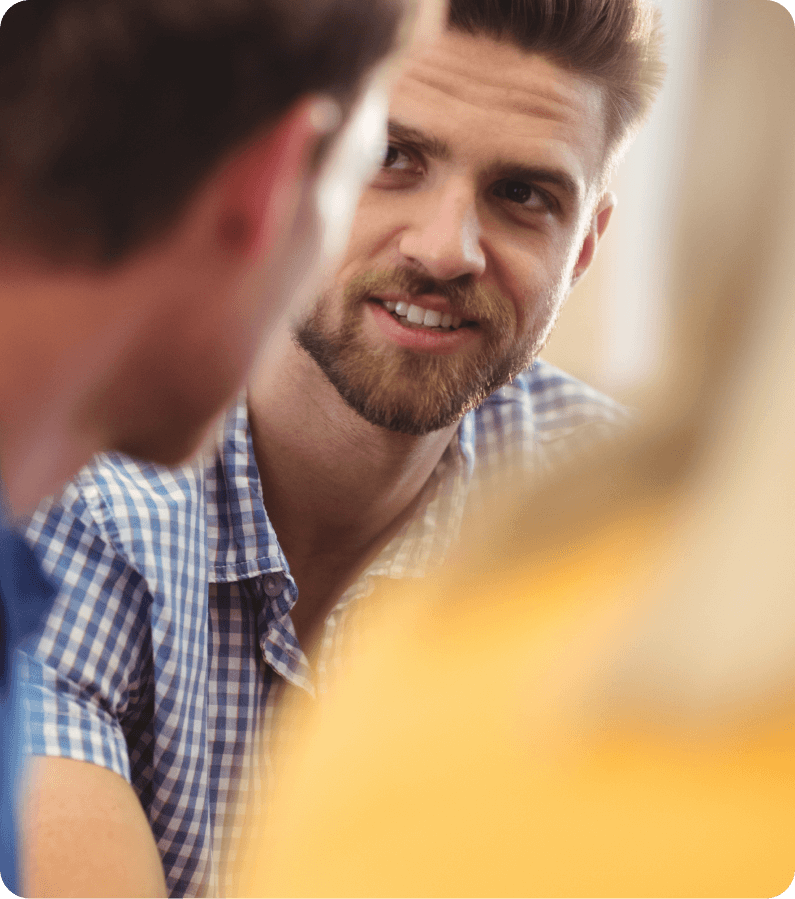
619	322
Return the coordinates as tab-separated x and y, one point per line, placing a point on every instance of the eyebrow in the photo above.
435	148
419	140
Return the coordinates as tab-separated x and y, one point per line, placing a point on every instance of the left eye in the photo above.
521	193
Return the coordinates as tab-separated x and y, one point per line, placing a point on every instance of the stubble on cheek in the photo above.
407	391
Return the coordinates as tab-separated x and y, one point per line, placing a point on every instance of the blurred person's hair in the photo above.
113	111
617	44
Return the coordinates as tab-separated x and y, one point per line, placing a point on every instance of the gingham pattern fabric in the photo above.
171	638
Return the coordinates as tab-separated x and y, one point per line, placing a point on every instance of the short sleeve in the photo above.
88	674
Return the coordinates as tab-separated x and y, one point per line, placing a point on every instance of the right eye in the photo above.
399	169
396	159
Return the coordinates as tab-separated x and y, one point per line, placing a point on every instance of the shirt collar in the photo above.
243	544
241	540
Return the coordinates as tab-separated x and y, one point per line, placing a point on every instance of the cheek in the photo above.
352	262
361	256
377	226
536	308
540	282
520	285
328	312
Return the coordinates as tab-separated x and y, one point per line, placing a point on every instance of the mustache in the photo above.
467	298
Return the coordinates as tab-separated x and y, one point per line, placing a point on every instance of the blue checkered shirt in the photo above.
171	637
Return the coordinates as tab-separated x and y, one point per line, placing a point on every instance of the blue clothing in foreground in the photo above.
171	640
25	599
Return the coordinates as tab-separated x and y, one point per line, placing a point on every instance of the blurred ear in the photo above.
258	191
595	231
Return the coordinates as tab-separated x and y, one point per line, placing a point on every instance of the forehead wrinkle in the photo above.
438	148
549	102
565	115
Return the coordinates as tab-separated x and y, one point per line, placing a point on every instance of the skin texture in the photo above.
110	850
336	485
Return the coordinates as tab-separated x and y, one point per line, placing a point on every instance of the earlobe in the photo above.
597	228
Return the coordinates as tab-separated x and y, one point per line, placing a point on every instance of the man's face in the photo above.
465	245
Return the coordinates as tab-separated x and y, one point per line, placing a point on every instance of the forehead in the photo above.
486	100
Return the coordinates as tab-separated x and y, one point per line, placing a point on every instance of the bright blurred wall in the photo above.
614	331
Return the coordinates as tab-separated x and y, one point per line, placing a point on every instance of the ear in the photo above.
259	189
596	229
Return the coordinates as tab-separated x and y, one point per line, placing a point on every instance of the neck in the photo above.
335	487
63	332
48	356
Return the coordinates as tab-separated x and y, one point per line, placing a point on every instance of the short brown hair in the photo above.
112	111
615	43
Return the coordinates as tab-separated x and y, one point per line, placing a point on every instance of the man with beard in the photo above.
597	697
194	597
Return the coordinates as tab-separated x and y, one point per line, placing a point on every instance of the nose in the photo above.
444	239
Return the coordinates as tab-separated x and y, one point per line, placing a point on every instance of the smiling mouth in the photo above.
410	315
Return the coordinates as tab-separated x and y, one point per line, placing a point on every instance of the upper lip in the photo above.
425	300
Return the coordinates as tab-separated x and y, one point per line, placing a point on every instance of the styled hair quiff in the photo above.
113	111
617	44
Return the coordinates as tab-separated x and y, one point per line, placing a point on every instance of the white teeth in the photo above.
415	314
425	318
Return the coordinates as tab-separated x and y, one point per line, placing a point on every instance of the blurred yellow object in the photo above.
598	699
467	753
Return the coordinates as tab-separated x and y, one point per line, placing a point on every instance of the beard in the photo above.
413	392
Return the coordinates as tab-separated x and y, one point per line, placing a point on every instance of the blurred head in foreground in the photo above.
165	174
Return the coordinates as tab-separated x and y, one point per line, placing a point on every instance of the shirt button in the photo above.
272	585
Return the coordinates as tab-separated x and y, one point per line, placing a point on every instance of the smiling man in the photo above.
193	597
383	416
488	207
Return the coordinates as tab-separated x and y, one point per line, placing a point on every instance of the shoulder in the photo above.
120	508
553	401
540	419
